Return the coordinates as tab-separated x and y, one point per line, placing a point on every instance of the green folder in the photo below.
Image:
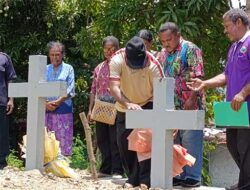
226	117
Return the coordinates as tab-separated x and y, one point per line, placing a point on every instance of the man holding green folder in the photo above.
236	77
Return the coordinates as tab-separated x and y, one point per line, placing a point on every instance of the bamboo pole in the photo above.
88	138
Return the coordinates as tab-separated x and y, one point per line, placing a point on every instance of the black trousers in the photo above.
4	135
107	144
238	143
138	172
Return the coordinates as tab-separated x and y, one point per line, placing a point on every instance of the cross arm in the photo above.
18	90
166	119
50	89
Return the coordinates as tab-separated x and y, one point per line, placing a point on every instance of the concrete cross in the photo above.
36	89
163	119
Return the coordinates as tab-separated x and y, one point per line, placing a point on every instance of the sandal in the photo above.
127	185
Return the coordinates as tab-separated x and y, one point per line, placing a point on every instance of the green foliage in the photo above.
27	26
14	161
214	95
25	29
199	21
79	155
207	148
81	99
81	25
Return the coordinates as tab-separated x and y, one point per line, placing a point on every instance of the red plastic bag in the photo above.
180	159
140	140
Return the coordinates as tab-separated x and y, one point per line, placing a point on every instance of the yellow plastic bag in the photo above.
51	147
60	168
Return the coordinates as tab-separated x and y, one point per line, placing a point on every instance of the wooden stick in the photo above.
88	138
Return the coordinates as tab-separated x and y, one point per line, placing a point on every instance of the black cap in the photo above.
136	53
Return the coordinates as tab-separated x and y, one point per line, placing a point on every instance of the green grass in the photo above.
14	161
79	158
207	148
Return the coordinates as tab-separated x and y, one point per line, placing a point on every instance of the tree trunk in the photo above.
248	8
230	3
88	138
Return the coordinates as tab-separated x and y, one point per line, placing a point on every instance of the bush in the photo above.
79	158
207	148
14	161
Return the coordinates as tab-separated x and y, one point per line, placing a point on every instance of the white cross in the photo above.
36	89
163	119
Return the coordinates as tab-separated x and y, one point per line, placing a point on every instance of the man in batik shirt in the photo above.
182	60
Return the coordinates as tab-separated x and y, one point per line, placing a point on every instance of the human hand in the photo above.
10	106
51	106
89	117
132	106
195	84
189	104
237	101
56	102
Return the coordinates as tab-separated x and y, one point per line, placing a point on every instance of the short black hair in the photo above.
145	35
111	39
235	14
169	26
53	44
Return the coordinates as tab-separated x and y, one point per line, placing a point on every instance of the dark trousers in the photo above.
107	144
238	143
138	172
4	135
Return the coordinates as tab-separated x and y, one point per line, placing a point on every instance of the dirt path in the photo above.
13	179
33	180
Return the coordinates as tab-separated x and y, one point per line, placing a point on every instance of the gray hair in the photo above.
235	14
111	39
169	26
53	44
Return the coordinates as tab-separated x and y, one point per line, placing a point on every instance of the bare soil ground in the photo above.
11	178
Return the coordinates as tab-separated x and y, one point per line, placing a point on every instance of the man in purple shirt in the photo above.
236	77
7	73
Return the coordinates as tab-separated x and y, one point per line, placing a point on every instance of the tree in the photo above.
248	8
27	26
199	21
25	29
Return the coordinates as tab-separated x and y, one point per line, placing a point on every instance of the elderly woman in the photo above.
106	134
59	110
